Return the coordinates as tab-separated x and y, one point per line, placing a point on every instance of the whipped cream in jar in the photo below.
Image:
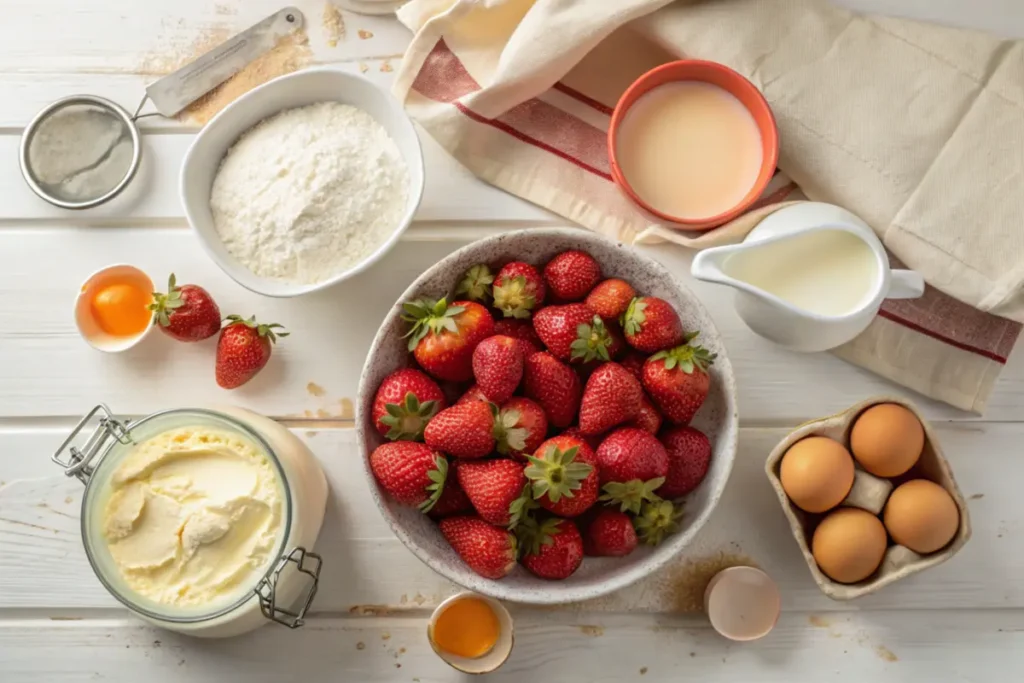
200	521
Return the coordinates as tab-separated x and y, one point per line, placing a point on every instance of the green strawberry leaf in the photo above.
532	534
657	519
686	357
476	284
592	342
556	474
521	509
634	317
631	495
513	298
408	419
437	475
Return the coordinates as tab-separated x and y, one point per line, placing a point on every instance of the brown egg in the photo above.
887	439
816	473
849	545
921	515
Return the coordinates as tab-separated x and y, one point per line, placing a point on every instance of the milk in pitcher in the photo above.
826	272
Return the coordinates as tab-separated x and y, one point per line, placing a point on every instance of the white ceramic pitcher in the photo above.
785	323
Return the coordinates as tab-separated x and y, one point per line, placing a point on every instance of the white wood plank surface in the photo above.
50	371
366	565
961	646
125	36
959	622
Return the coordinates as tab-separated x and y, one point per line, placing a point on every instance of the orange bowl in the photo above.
728	80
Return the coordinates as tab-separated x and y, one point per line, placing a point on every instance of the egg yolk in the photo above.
467	628
121	309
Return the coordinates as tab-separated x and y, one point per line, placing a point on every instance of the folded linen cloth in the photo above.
918	129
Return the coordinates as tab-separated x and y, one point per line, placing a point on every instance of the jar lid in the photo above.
95	462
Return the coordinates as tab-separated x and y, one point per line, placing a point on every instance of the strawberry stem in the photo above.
408	419
631	495
165	304
438	475
506	434
634	317
513	298
532	534
592	342
262	330
556	474
657	519
476	283
429	316
687	356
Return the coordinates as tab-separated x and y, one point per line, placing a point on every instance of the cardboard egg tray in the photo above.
869	493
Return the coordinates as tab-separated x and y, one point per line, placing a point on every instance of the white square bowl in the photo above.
288	92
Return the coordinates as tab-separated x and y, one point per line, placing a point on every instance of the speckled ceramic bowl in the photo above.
717	418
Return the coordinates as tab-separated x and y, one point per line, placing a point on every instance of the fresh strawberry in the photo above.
612	396
464	430
453	500
632	464
610	298
492	487
648	417
651	324
609	534
552	549
498	367
689	455
443	337
490	551
563	476
412	473
243	349
405	402
521	427
559	327
634	362
677	380
187	313
521	330
518	290
657	519
630	453
554	386
474	393
571	275
475	285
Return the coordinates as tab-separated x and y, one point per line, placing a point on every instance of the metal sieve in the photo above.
82	151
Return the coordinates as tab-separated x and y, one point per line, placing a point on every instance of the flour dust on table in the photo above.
309	192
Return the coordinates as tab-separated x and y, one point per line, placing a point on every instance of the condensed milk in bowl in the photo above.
693	144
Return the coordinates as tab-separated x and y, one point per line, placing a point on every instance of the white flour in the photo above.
309	192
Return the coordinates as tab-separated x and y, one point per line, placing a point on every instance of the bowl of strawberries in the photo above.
547	416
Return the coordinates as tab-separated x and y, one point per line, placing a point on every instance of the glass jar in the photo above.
286	584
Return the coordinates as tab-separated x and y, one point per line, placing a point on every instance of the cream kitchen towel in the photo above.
918	129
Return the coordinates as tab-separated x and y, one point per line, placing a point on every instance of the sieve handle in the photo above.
174	92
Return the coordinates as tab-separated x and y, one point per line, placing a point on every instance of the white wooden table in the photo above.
963	621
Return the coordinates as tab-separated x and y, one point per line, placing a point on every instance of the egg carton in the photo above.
870	493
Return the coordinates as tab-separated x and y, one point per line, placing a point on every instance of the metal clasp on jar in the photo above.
78	462
267	588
